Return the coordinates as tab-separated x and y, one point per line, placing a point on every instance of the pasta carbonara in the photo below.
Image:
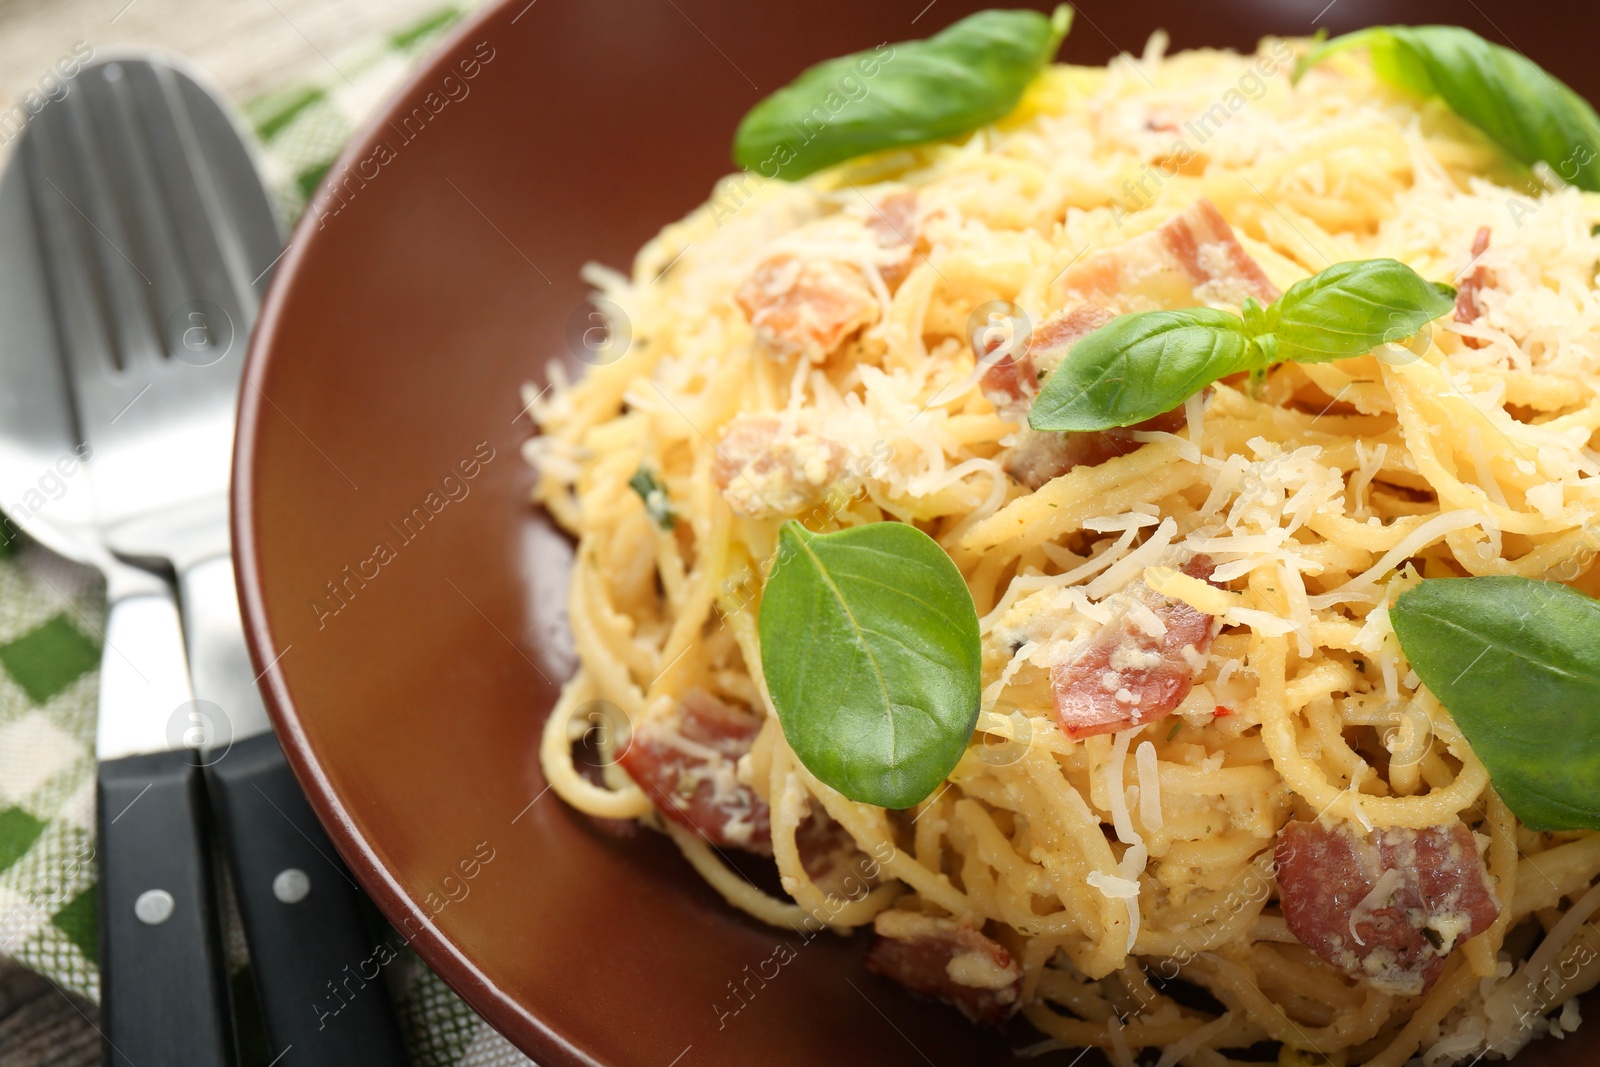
1207	804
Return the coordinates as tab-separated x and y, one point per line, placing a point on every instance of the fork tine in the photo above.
77	205
214	252
117	113
80	304
249	239
122	257
124	210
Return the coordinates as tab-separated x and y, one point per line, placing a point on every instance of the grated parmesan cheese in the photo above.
1144	759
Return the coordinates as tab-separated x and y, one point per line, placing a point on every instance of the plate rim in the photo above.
523	1028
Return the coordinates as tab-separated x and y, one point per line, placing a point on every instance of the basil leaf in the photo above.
963	77
1351	308
869	644
1517	663
654	494
1520	106
1138	366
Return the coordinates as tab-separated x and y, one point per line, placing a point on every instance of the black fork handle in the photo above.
318	977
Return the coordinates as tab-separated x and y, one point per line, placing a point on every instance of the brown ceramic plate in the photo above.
410	618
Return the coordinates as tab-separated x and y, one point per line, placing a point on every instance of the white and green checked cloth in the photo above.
51	618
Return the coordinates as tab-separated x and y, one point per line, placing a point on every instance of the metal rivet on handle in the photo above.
291	885
154	907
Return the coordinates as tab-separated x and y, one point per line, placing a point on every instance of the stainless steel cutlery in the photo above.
135	243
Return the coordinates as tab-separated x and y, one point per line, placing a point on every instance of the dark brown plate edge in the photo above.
444	956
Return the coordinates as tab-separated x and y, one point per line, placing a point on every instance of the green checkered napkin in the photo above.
51	617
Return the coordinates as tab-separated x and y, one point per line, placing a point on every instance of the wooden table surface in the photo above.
248	47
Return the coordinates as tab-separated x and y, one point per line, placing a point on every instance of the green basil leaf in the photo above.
654	494
1138	366
869	644
967	75
1517	103
1351	308
1517	663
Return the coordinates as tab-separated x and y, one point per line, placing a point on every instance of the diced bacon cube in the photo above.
1059	332
806	307
832	859
949	961
1388	906
1038	457
1012	381
1126	675
895	222
686	762
764	471
1192	258
1468	307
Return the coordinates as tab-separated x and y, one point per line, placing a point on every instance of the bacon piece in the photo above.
1127	676
593	772
1191	258
1385	907
949	961
895	223
1012	381
806	307
1162	120
1038	457
763	471
1468	307
1058	333
686	762
1203	242
832	859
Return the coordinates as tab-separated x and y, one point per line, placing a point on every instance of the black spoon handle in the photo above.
162	969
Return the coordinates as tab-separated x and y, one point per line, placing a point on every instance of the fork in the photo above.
158	239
